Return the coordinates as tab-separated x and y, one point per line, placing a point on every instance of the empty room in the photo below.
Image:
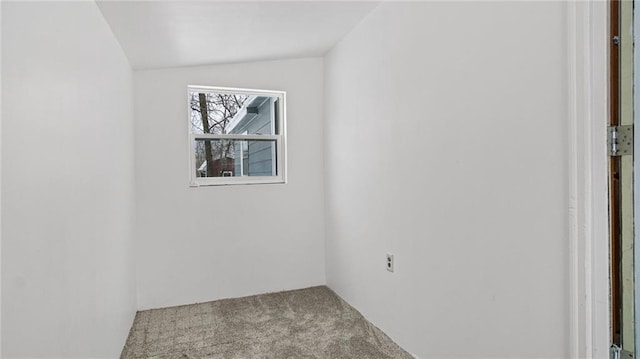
316	179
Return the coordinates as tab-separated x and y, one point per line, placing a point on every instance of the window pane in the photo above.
232	113
235	158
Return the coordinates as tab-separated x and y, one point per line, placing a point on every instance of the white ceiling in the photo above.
184	33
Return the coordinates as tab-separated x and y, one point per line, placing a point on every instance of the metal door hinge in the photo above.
614	352
620	140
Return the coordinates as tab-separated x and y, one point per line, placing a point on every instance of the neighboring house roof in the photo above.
246	114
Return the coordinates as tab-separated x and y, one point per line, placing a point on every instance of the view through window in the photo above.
236	136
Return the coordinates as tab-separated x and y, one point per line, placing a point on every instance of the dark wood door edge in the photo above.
614	177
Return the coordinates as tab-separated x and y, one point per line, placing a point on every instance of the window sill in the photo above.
229	181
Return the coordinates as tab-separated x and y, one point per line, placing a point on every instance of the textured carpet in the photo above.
300	324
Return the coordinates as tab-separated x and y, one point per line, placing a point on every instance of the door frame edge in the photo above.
588	99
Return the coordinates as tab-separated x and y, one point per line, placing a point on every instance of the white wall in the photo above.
68	286
207	243
0	177
444	144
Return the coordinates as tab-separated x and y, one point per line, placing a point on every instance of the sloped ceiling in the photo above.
156	34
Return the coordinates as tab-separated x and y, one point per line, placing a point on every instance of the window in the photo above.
236	136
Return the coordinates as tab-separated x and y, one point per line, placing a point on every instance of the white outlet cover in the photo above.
390	262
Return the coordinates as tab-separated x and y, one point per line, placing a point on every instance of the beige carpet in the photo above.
299	324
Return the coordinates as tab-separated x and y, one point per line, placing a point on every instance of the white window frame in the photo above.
279	138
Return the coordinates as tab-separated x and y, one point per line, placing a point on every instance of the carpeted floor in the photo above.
300	324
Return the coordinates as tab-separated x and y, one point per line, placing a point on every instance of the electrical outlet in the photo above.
390	262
